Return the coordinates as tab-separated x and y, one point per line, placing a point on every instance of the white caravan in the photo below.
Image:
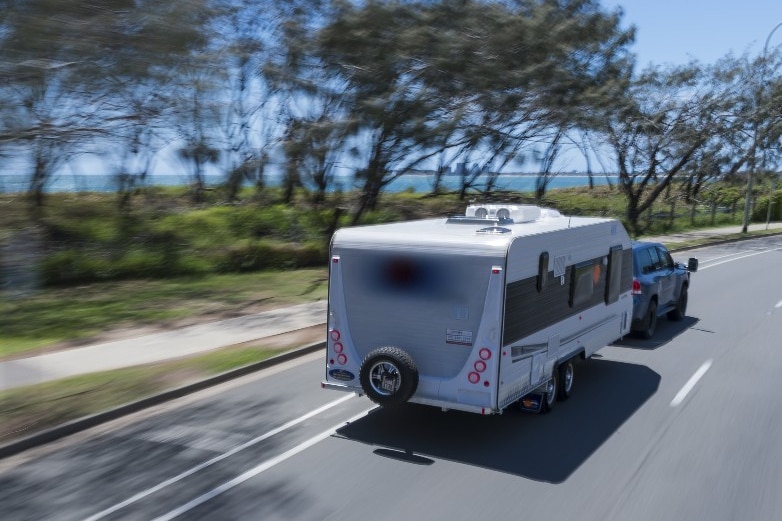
475	312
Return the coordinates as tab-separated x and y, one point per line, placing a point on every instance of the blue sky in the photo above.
676	31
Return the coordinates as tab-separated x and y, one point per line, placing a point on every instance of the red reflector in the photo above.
486	384
484	353
335	260
496	271
636	287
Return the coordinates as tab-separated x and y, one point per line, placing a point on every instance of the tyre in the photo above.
651	321
680	310
550	396
567	372
388	376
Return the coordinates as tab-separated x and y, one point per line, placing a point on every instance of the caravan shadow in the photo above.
545	448
667	330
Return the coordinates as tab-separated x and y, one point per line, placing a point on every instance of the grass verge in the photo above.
29	410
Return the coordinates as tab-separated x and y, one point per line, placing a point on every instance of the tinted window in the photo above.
644	260
665	258
614	286
586	278
656	262
542	271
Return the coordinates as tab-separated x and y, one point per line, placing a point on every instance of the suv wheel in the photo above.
680	310
651	321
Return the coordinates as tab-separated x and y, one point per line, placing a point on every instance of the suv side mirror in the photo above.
692	264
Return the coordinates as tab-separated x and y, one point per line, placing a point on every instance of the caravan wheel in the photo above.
550	396
567	373
388	376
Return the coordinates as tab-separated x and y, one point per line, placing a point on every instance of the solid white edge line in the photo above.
141	495
692	382
262	467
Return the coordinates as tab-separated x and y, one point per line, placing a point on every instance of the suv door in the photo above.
665	274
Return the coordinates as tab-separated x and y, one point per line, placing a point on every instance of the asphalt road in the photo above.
685	426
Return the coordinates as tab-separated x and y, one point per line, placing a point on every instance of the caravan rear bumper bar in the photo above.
444	405
342	387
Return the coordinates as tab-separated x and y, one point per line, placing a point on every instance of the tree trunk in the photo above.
37	188
632	213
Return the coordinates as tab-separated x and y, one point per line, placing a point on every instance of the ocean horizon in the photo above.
416	182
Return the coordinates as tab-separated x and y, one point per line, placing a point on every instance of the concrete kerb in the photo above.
81	424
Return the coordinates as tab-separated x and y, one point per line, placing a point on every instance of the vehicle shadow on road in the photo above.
667	330
546	448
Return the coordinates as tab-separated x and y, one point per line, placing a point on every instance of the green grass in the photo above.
56	315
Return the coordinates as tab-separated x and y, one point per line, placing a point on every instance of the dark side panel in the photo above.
531	306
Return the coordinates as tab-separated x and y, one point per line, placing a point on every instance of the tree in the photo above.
501	74
46	59
665	119
79	76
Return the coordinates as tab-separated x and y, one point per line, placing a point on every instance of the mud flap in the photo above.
532	402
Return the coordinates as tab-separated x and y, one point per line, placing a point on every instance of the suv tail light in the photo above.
636	287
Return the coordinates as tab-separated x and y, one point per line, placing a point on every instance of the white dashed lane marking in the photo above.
691	383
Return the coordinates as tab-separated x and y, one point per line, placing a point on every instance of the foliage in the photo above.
380	88
472	78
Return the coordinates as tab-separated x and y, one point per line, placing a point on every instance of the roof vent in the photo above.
517	213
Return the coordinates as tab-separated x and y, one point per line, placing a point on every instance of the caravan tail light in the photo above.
480	366
337	347
484	353
636	287
474	378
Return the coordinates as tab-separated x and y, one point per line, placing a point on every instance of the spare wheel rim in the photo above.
384	377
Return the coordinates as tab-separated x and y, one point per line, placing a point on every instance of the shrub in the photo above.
760	212
258	255
78	266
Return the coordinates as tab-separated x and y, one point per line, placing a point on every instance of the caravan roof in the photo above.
484	230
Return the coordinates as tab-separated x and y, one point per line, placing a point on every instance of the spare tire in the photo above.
388	376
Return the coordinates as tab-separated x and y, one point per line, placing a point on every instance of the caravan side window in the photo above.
585	280
614	285
542	272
